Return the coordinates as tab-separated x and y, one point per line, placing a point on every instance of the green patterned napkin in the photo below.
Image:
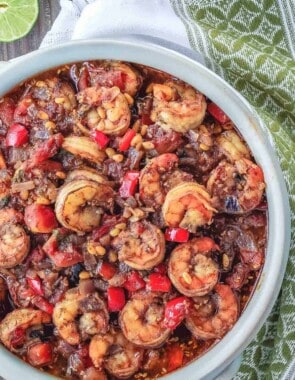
251	43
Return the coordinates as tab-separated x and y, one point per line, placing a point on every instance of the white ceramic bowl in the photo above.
221	355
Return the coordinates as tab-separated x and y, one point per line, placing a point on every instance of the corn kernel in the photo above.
24	195
148	145
118	157
60	174
100	250
136	140
110	152
225	261
204	147
50	125
84	275
120	226
42	201
113	257
59	100
114	232
143	130
91	248
43	115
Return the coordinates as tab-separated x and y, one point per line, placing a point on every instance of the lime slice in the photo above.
17	17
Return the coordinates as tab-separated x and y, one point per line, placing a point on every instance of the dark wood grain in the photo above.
48	11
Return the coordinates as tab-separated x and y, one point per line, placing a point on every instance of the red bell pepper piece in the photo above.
217	113
40	354
158	282
116	298
106	270
43	304
40	218
36	285
129	184
175	357
178	235
17	135
126	140
134	282
175	311
100	138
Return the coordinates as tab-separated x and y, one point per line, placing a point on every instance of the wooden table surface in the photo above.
48	11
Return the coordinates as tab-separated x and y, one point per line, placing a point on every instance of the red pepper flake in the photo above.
178	235
126	140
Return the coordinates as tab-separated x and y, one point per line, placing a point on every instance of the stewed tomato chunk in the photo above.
17	135
40	354
40	218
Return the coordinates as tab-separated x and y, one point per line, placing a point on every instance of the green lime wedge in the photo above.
17	17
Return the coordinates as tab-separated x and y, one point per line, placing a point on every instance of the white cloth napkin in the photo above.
80	19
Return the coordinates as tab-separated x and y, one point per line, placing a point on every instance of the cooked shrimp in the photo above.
141	246
120	357
236	187
158	177
177	106
188	206
191	269
141	320
106	109
232	146
120	74
20	318
84	147
87	174
79	204
46	100
14	242
212	317
94	317
151	187
5	182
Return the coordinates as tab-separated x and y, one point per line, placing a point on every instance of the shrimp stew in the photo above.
133	222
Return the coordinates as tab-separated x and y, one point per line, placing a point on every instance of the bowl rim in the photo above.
250	126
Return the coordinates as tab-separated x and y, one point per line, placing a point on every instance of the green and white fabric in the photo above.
250	43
